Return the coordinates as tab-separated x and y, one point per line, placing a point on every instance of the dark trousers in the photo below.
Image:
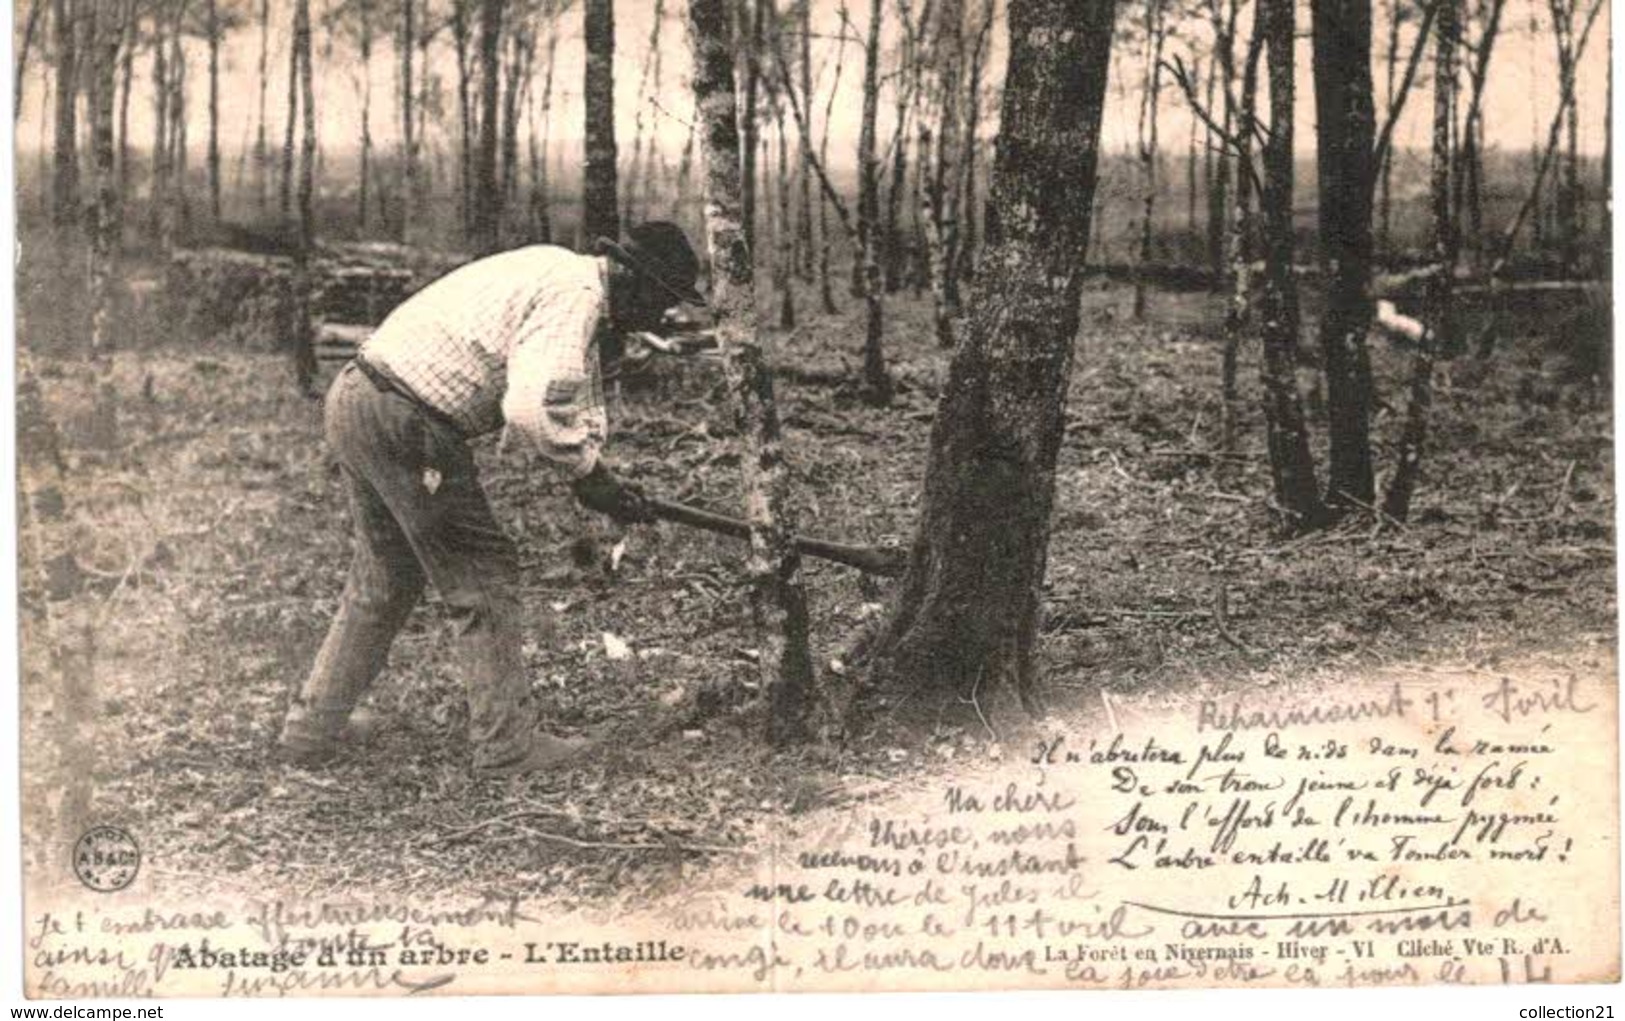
420	515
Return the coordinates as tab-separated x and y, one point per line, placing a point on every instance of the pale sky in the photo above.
1521	96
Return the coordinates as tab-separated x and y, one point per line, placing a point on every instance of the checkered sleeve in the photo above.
554	398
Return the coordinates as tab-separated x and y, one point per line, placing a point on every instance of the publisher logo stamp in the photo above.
106	859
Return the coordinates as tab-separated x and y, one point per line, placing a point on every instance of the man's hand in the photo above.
601	491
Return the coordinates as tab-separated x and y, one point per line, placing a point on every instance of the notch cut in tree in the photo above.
966	619
779	599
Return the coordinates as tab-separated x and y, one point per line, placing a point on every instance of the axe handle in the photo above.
888	563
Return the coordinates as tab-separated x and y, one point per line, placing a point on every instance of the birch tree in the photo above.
779	598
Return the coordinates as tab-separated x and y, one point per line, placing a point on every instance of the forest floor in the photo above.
209	548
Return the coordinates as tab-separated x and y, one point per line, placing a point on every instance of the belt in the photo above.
385	383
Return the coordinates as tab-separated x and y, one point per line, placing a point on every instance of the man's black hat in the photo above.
660	251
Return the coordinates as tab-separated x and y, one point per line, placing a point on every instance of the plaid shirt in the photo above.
513	338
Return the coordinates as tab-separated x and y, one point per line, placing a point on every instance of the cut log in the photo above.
1391	321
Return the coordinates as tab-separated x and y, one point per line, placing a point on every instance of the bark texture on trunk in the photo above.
290	128
365	14
969	234
877	383
1292	468
826	286
1345	146
65	148
262	147
749	37
779	598
409	149
942	193
600	195
1222	79
304	350
1239	310
487	219
1150	101
787	236
966	620
212	27
804	226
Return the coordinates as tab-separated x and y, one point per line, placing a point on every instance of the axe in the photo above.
870	559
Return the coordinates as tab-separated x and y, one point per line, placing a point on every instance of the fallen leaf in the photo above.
616	647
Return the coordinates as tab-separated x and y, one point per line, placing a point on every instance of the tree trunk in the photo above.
1292	468
65	15
105	42
1222	76
465	118
487	190
212	27
877	383
1385	169
899	180
826	288
1191	155
1150	101
1239	312
942	193
304	351
131	31
600	194
966	620
262	148
1397	502
158	193
778	595
286	196
175	201
365	14
408	142
1568	185
1345	148
180	214
804	229
969	234
750	37
787	233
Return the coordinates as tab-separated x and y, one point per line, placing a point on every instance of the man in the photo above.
512	339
